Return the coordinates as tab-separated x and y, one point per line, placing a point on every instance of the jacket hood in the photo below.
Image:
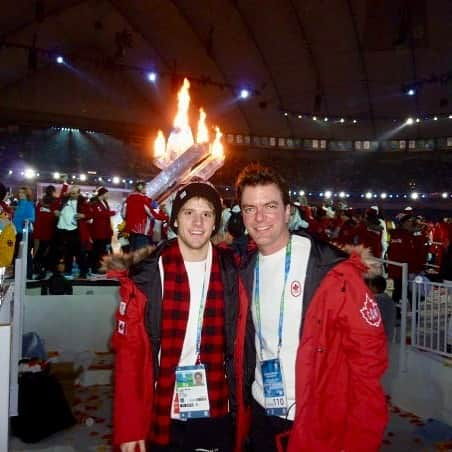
123	262
370	265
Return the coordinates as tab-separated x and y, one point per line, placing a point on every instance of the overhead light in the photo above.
325	119
56	175
445	195
450	116
342	120
368	195
29	173
299	116
286	114
341	194
409	121
152	77
328	194
354	121
116	180
59	59
414	195
10	172
244	94
383	196
418	120
314	118
411	92
435	118
83	177
301	192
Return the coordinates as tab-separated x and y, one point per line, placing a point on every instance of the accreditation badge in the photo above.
274	391
191	389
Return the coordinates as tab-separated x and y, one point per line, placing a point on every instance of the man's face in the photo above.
266	217
74	192
195	222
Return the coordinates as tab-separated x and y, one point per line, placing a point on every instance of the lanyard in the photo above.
202	305
256	299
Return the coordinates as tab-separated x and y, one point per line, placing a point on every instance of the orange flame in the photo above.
203	133
183	103
217	147
159	145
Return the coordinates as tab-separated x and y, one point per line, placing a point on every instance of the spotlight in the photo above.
444	195
410	92
59	59
342	120
10	172
56	175
328	194
299	116
29	173
418	120
301	192
116	180
244	94
325	119
450	116
368	195
354	121
341	194
152	77
100	179
383	196
83	177
314	118
414	195
435	118
409	121
286	114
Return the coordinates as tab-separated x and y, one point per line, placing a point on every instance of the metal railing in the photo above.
431	326
17	317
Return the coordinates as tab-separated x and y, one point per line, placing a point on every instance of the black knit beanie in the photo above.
200	189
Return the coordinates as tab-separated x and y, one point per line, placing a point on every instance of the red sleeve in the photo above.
133	385
366	348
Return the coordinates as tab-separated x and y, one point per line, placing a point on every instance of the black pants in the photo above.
69	246
210	434
100	249
264	429
43	257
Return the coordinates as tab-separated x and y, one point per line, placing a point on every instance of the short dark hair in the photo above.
379	282
256	174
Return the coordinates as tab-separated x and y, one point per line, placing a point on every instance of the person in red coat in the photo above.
4	207
101	230
370	233
408	244
139	217
310	343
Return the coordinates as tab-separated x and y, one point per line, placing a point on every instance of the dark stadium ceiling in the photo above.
334	59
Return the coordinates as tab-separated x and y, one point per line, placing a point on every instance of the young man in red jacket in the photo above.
311	347
174	335
101	230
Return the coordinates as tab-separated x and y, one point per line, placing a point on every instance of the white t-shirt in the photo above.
198	279
271	281
67	220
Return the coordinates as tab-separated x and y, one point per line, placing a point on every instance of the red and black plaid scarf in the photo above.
175	308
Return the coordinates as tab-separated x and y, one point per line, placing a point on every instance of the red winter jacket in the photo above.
136	341
341	357
409	247
101	226
139	215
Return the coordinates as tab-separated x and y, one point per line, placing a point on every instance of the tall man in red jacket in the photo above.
315	346
139	217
